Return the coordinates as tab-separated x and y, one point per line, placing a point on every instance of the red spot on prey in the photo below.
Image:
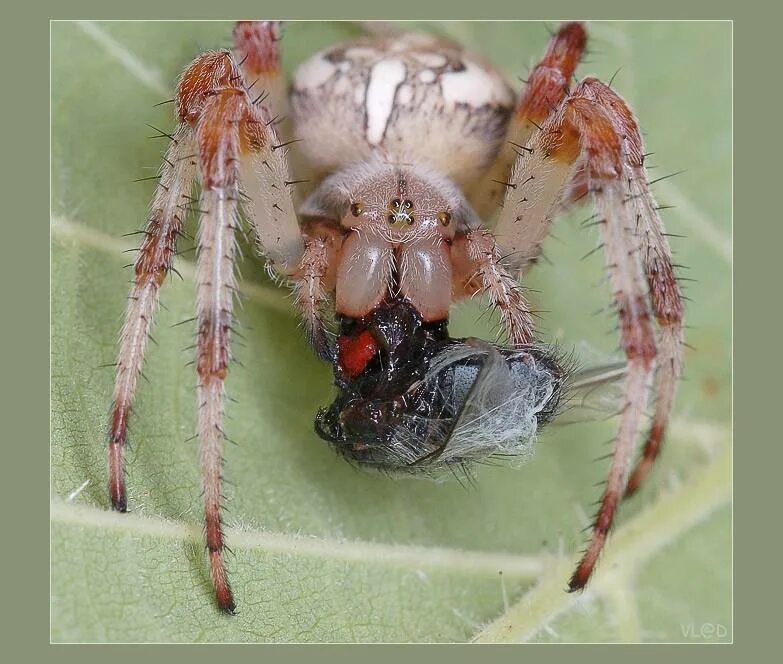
355	353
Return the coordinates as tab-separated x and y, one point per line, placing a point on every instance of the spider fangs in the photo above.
408	142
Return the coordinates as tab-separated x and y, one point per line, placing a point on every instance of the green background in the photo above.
134	579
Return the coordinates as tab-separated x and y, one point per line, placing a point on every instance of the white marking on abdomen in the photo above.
385	77
474	86
314	73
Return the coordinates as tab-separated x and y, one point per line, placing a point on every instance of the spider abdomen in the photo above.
406	97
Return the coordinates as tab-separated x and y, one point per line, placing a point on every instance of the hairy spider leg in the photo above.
593	129
269	188
237	144
311	292
257	49
211	98
665	295
480	263
154	261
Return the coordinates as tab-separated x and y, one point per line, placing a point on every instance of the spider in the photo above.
409	143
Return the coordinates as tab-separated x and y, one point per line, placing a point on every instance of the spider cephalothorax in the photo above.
409	146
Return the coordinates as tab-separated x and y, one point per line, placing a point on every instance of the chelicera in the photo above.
408	144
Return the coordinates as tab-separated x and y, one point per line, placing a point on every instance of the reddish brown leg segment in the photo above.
534	186
152	265
666	379
257	46
546	86
549	82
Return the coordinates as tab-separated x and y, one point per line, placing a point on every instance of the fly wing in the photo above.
592	393
495	399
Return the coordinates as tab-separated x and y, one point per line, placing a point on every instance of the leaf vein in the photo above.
416	557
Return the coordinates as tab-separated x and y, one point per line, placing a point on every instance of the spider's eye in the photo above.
356	209
407	204
391	219
411	220
395	203
444	218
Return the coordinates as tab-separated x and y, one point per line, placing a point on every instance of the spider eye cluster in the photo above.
401	213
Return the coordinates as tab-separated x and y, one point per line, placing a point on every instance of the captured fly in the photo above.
411	398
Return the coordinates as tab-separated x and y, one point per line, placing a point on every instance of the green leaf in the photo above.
323	552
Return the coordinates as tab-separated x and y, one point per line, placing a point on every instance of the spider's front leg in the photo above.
227	139
592	136
480	268
236	141
267	185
